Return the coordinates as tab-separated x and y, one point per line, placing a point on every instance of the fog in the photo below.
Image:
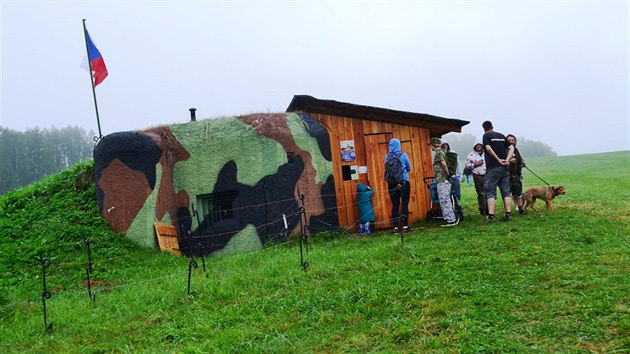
555	72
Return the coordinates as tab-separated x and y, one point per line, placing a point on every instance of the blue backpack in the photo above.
393	169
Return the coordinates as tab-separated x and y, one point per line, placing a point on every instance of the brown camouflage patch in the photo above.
172	152
118	183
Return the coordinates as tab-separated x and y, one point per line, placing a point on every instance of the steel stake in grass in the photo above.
45	262
400	229
88	270
203	261
192	264
303	236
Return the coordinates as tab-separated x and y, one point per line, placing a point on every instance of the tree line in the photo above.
26	157
463	145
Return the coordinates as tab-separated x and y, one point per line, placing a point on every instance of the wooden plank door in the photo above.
407	146
376	147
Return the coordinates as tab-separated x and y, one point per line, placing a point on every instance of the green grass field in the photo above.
545	282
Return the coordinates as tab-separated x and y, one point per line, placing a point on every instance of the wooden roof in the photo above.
437	126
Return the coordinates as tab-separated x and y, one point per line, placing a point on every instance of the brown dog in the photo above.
546	193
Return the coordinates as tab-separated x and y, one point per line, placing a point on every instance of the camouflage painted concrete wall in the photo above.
227	181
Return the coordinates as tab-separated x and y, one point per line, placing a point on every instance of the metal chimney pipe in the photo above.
193	117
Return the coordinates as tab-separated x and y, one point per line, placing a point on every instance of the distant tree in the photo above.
463	144
531	148
32	158
8	159
27	157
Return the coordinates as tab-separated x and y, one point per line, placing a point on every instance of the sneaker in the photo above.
522	212
395	229
452	223
489	221
507	217
406	229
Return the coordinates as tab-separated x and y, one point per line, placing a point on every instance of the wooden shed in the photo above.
360	135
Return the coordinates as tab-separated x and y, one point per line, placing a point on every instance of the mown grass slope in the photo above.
545	282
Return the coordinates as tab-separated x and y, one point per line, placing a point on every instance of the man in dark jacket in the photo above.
452	160
516	175
498	153
443	183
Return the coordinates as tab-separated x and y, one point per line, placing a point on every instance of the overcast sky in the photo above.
552	71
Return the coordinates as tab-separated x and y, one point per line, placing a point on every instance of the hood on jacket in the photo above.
394	146
477	143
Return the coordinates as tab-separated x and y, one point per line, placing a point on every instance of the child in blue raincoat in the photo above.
366	211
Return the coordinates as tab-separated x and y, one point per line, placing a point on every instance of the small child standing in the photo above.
366	211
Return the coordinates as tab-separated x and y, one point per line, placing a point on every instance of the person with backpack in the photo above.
454	167
443	177
397	168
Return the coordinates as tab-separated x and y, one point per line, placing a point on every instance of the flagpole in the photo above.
87	49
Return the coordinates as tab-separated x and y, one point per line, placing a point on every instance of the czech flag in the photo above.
99	70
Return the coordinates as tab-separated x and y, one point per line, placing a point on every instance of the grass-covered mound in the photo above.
53	217
545	282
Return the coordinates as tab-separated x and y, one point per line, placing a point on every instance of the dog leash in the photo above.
537	175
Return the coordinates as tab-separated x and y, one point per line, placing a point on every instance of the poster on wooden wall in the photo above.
347	150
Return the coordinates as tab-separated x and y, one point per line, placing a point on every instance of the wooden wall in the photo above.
371	140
